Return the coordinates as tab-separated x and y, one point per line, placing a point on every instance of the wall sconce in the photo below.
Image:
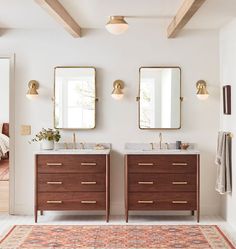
117	91
202	92
32	91
117	25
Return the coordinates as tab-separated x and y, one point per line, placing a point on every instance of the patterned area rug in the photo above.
4	170
91	237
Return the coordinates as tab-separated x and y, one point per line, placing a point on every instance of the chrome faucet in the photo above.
74	141
160	140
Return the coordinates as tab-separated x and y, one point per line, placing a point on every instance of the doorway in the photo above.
6	87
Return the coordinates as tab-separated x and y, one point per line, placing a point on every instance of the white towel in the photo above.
223	162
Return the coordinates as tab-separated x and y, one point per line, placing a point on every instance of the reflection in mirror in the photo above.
159	103
75	96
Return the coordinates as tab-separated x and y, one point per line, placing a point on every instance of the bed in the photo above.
4	161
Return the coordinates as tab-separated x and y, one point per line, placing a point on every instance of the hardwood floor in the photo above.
7	221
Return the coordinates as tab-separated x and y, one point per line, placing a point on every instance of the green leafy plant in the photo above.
47	134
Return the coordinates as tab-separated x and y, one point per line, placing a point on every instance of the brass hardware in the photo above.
88	202
54	164
145	164
32	91
88	183
88	164
137	98
181	99
117	93
179	202
202	92
145	183
179	164
230	135
54	202
54	183
145	202
179	183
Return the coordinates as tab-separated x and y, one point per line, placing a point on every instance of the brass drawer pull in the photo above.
88	183
145	164
54	183
145	183
54	164
88	164
145	202
179	183
88	202
179	202
179	164
54	202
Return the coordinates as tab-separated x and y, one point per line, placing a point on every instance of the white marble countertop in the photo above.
161	152
73	152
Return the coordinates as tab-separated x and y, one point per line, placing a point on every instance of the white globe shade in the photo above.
117	25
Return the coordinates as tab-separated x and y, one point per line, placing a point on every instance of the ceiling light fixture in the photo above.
117	25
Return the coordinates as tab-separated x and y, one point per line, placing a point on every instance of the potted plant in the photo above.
47	137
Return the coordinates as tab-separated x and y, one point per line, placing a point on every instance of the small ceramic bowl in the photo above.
184	146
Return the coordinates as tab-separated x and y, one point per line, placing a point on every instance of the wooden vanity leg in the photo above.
107	188
126	191
192	212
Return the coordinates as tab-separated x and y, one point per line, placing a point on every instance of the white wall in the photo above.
227	122
116	57
4	89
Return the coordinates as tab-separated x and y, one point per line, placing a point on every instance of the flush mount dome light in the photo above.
117	25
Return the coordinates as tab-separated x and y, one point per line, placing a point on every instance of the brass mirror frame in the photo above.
95	99
138	98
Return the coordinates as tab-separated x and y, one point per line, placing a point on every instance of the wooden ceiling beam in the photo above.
184	14
59	13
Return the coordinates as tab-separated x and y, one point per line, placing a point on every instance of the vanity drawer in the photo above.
72	201
162	201
161	182
162	163
71	163
71	182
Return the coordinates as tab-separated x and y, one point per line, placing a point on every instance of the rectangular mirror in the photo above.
74	97
160	98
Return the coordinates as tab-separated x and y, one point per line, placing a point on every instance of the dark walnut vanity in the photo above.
75	180
162	181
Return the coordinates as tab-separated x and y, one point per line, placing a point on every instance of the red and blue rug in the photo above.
118	236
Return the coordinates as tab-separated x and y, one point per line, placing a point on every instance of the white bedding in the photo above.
4	144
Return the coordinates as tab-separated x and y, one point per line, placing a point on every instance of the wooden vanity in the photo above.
72	181
162	182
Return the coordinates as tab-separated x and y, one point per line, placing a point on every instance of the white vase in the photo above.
47	145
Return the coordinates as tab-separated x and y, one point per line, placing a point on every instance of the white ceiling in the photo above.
94	13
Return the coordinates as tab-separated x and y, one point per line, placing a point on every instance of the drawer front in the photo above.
71	163
162	182
72	201
162	201
71	182
162	163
